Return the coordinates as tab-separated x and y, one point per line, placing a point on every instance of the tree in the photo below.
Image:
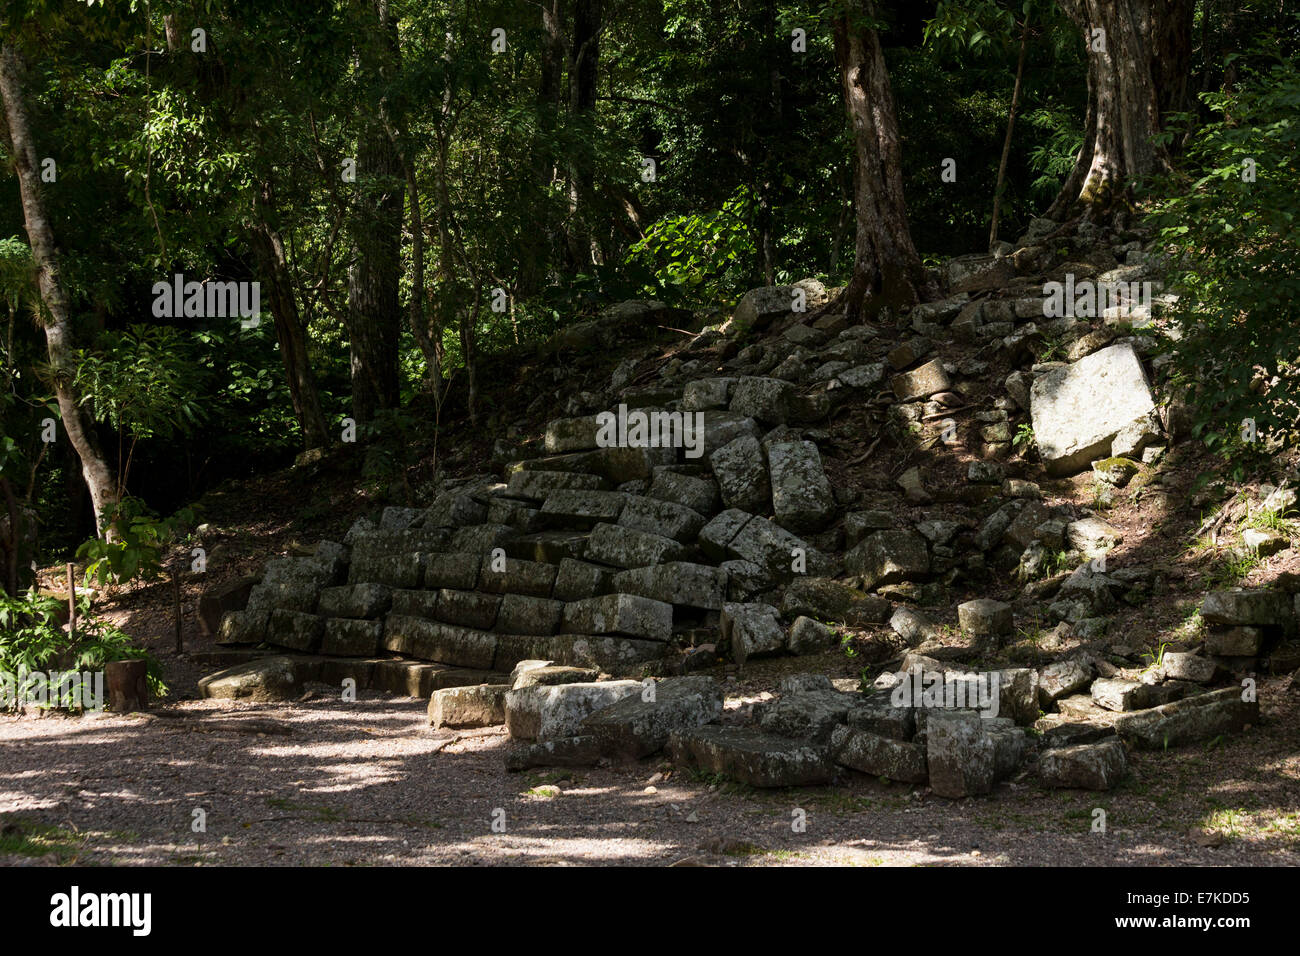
1139	59
60	336
886	268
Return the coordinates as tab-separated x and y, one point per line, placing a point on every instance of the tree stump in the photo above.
128	686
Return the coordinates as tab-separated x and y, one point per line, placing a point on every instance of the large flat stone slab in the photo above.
1079	409
625	614
640	724
546	712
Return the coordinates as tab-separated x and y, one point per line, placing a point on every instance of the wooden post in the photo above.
128	687
72	603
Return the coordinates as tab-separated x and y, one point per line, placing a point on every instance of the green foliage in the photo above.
141	382
133	548
1234	245
707	254
32	639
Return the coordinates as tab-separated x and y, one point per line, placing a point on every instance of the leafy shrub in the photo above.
1235	244
134	549
32	639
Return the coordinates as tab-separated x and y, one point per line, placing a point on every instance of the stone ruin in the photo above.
577	596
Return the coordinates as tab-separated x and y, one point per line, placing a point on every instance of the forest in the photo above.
280	272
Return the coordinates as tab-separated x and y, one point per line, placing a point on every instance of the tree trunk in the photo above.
268	246
1006	143
886	270
127	685
59	334
1139	53
374	312
584	61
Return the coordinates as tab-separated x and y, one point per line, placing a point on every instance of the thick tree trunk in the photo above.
886	270
1139	54
584	62
374	312
268	246
59	335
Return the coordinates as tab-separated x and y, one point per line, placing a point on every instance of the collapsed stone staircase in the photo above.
520	598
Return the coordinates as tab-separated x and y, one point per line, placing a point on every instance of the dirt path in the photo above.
367	783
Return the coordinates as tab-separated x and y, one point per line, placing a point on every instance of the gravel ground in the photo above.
368	783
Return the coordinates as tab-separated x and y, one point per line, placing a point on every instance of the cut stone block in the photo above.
640	724
576	580
879	756
829	600
742	475
395	570
752	629
410	603
806	714
454	570
295	630
1253	608
468	608
628	548
613	655
1201	717
582	508
534	673
1062	679
352	638
985	617
774	549
564	752
547	712
244	627
532	578
929	379
717	535
706	393
453	509
1121	695
1240	641
355	600
571	434
751	756
663	518
723	427
536	485
698	494
483	705
619	614
677	582
520	614
801	494
888	557
1096	766
265	679
1078	410
766	399
445	643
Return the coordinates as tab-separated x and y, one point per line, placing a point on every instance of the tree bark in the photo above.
127	684
268	246
1006	143
374	312
886	270
1137	72
60	337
